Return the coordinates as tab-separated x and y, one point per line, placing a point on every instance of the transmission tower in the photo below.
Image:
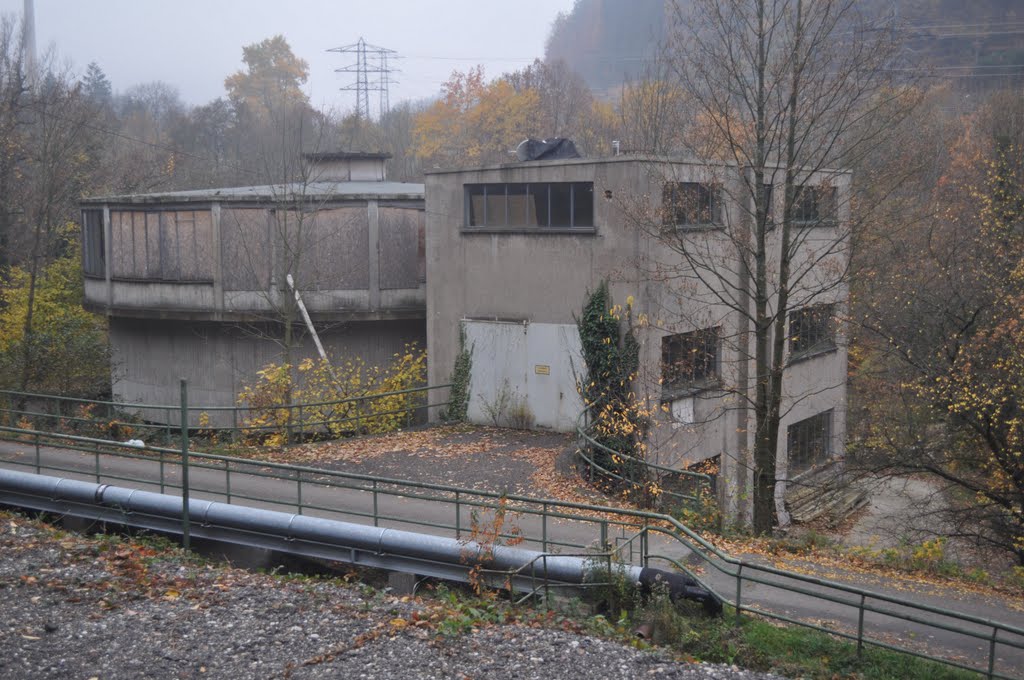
373	74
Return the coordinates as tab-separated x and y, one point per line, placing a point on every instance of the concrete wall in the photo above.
542	277
218	359
229	260
531	366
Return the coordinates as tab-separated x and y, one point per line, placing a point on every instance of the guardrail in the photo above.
553	526
352	415
639	473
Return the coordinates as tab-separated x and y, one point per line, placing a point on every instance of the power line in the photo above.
370	59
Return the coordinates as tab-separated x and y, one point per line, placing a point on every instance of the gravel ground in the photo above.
106	608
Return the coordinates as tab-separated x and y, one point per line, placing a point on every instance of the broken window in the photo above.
93	251
690	204
520	205
689	360
809	442
811	330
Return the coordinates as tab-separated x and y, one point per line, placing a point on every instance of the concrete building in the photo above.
513	250
193	282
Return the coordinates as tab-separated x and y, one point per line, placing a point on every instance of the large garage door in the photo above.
525	369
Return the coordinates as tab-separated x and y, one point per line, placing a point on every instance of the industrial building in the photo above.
512	251
194	283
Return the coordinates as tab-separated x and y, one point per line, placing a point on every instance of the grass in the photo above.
802	652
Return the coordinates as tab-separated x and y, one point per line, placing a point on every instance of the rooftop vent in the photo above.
546	149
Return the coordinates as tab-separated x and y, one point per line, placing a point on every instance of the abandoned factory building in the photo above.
513	250
193	283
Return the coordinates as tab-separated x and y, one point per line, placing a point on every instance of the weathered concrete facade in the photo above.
194	282
541	275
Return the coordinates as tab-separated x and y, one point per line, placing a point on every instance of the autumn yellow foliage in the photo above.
316	397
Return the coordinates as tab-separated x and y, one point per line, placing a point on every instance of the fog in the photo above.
194	44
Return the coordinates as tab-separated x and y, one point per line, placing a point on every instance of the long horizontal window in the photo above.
552	205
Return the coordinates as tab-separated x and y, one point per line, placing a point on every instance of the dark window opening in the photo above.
768	202
556	205
689	360
809	442
811	330
93	247
690	204
814	205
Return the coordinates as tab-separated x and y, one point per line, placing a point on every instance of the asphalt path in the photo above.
404	507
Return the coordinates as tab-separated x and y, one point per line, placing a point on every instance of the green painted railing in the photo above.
651	538
640	473
144	421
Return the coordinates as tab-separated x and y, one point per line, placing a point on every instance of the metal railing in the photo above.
636	474
297	421
552	526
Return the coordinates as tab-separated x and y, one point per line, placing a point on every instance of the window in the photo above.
162	245
809	442
811	330
769	194
93	252
690	204
689	360
552	205
814	205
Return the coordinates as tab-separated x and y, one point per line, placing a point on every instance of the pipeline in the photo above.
394	549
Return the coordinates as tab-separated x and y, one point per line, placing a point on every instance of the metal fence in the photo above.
296	421
692	489
865	617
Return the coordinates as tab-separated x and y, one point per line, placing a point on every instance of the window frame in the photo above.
670	205
576	191
94	242
700	340
806	434
817	191
822	333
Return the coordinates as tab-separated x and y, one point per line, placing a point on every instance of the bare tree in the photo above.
13	99
779	93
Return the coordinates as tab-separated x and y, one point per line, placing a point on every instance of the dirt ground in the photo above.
493	459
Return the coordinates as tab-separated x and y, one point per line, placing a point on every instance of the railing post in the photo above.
298	494
234	424
161	472
544	529
604	535
167	429
375	522
186	538
227	481
458	518
300	424
860	626
289	437
643	547
96	458
38	462
992	654
739	590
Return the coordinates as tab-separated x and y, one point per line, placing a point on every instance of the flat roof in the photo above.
621	158
291	192
347	156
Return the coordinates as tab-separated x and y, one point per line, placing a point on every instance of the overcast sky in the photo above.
194	44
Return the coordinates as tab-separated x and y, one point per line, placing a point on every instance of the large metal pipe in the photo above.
342	540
